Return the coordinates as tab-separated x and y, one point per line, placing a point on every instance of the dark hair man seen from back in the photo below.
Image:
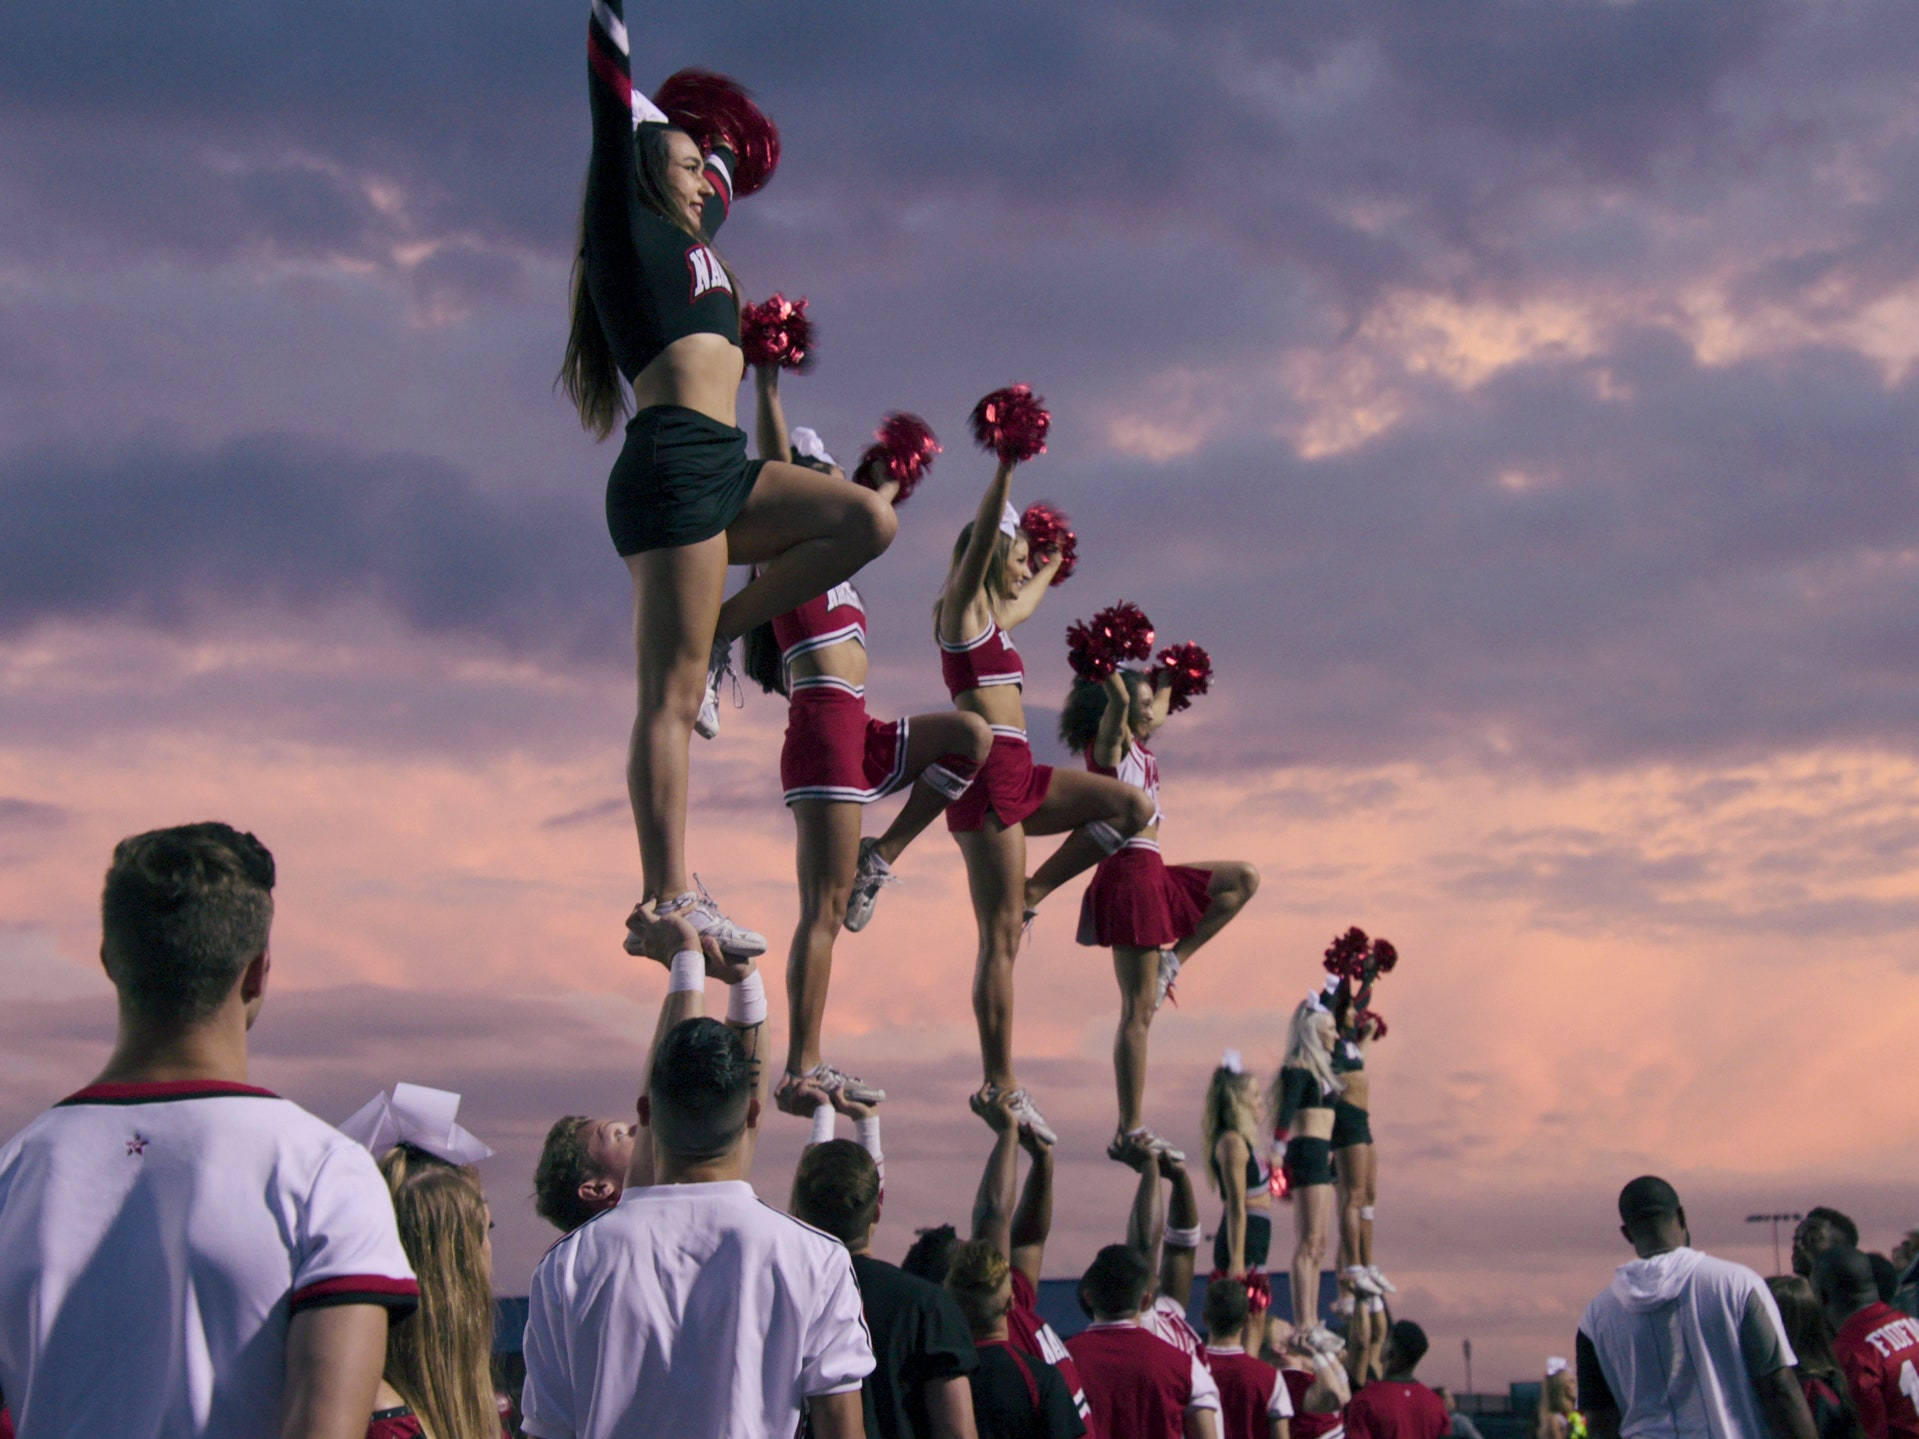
1398	1406
1876	1345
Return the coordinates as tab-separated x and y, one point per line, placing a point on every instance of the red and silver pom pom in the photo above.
777	332
1012	423
1346	955
1095	648
902	451
1047	533
1375	1019
1259	1292
717	110
1189	670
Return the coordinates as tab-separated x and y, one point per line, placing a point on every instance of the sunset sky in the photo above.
1517	400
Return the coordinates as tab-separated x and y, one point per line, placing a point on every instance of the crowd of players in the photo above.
184	1253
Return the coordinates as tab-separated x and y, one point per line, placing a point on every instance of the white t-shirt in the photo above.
154	1241
1680	1338
690	1310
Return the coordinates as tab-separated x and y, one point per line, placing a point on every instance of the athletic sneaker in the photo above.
707	724
702	911
1385	1285
838	1081
1322	1339
1168	972
1025	1113
1142	1141
1343	1306
873	875
1361	1282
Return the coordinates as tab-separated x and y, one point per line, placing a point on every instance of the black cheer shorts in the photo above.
1309	1161
1351	1125
681	477
1259	1242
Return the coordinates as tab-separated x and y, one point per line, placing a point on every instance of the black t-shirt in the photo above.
1015	1397
918	1335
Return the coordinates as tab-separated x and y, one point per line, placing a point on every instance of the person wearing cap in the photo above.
1682	1345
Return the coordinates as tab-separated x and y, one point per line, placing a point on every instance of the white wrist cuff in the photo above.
746	1001
822	1124
1178	1238
869	1136
688	972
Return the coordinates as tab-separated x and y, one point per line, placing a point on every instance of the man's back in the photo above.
1677	1341
1878	1348
1139	1386
1305	1423
154	1241
1251	1393
918	1338
690	1310
1397	1409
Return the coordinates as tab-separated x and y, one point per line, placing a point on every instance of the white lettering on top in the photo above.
707	272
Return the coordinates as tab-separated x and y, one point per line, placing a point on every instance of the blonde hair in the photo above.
1232	1107
440	1360
1306	1050
975	1279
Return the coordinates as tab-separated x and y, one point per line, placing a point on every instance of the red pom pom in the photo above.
1094	648
903	448
1384	956
1048	533
716	110
1189	669
1375	1019
777	332
1259	1292
1346	955
1012	423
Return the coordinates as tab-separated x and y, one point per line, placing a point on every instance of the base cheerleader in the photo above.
656	309
836	760
1152	915
992	587
1229	1134
1302	1098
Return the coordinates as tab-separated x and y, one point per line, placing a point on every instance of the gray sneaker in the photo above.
838	1081
1025	1113
707	724
1163	981
873	875
698	908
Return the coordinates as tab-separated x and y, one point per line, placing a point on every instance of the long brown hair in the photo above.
589	377
1232	1107
440	1360
1810	1334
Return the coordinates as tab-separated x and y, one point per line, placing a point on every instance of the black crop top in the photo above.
1257	1174
1348	1058
651	283
1298	1090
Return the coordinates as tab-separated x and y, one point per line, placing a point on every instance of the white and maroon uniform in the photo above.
1165	1318
155	1239
1037	1339
834	749
1009	783
1136	899
1397	1409
1305	1424
1252	1393
1140	1386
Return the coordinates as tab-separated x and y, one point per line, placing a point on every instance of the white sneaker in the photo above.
699	909
838	1081
1361	1281
707	724
1025	1113
1163	982
1384	1285
873	875
1343	1306
1321	1338
1143	1141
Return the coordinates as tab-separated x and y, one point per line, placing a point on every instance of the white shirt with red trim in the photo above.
690	1311
1165	1318
155	1239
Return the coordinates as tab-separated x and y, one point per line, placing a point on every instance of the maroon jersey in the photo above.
1251	1394
1140	1386
1878	1350
989	658
1037	1339
1307	1425
822	621
1397	1409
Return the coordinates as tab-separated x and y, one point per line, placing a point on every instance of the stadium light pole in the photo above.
1775	1220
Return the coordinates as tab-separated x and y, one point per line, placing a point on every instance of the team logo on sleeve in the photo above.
707	272
138	1144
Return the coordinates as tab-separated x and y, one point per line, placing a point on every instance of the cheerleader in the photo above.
655	307
1303	1095
1151	915
993	586
1229	1133
1355	1163
836	760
